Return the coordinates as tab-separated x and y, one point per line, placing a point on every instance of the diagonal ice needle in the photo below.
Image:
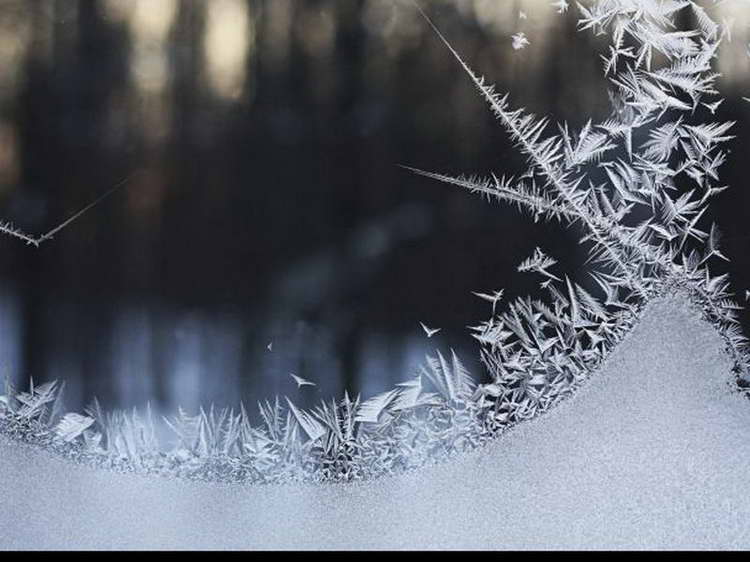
429	331
10	230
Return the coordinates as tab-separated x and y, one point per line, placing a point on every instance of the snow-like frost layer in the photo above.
653	452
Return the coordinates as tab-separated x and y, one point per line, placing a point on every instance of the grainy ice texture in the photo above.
654	452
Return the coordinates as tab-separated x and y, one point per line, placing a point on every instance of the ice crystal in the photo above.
561	6
519	40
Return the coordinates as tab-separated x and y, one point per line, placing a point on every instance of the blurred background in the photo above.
266	205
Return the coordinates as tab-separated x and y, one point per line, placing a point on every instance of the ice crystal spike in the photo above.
429	331
301	381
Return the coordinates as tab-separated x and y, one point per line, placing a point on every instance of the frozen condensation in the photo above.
652	452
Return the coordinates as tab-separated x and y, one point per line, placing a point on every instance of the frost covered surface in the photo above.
636	187
651	453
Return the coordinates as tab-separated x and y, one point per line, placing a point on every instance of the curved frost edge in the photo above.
225	447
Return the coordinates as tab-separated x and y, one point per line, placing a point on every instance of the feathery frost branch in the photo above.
640	205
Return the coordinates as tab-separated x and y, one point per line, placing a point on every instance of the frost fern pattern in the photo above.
599	180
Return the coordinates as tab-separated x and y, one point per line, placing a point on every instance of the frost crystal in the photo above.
519	40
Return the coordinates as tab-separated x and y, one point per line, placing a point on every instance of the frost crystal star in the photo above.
429	331
519	40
